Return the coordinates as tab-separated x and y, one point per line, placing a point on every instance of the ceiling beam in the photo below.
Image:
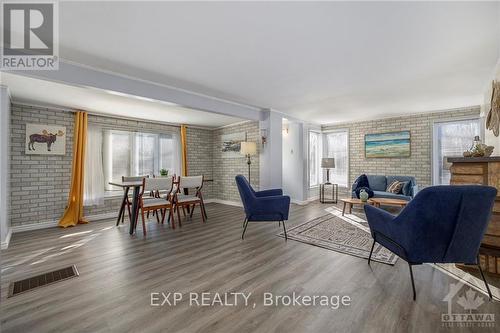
83	76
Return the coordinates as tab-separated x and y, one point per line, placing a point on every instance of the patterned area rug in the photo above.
345	234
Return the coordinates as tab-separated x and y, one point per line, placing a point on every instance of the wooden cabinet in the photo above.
482	171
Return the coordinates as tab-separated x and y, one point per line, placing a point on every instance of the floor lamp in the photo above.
248	149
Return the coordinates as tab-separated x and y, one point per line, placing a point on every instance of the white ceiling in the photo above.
319	61
29	90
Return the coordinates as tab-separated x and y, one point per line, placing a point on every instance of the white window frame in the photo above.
132	155
320	153
325	150
434	137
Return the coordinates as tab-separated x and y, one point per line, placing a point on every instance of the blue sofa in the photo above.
443	224
378	184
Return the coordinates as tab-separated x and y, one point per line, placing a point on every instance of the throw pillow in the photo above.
406	190
395	187
370	192
361	181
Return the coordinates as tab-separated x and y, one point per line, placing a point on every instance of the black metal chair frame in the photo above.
410	264
246	221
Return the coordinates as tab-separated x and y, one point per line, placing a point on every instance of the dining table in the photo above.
136	185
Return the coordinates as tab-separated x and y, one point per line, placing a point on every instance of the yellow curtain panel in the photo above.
74	210
184	150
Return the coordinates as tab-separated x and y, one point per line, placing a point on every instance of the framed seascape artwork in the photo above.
231	144
45	139
392	144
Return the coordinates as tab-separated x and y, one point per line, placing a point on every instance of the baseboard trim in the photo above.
100	217
34	226
53	224
5	243
225	202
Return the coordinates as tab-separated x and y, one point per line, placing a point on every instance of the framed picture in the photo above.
45	139
231	144
392	144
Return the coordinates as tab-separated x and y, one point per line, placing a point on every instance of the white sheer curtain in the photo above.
451	139
337	147
93	187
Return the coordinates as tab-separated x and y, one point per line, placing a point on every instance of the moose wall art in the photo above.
45	139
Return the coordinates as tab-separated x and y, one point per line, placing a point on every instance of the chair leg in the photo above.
412	282
204	210
484	278
178	215
143	223
163	212
245	224
202	214
192	211
371	252
155	212
129	213
171	218
284	230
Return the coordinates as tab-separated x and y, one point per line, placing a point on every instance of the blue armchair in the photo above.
268	205
442	224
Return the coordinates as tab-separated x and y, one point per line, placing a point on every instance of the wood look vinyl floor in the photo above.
118	273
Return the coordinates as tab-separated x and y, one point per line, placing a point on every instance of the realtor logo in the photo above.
468	312
30	36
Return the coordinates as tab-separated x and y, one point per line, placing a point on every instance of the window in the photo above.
314	158
451	139
337	147
132	154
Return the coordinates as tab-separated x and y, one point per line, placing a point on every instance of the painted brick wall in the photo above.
200	157
418	164
39	184
225	169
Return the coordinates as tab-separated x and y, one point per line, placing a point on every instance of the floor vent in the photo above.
34	282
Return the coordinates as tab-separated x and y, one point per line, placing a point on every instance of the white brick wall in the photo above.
418	164
225	169
40	183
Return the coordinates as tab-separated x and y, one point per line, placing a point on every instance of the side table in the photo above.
327	199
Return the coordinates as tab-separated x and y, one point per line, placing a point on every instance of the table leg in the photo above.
343	210
350	208
122	207
135	209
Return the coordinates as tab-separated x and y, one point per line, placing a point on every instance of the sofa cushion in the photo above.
377	183
383	194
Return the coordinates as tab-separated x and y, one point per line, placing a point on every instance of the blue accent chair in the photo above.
442	224
268	205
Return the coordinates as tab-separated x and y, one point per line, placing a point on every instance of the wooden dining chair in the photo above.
160	205
188	201
126	199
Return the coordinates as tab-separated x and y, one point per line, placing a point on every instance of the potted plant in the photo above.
163	172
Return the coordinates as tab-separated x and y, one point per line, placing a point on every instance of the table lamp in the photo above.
328	163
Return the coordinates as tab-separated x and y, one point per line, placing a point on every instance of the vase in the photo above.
363	195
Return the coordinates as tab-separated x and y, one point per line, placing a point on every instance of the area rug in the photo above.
342	234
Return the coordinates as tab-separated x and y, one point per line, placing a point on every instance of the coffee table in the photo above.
353	201
377	202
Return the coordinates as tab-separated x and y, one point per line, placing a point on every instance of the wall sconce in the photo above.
263	136
285	129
